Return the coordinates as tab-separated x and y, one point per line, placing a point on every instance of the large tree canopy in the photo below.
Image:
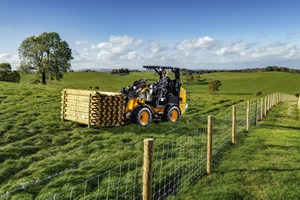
46	54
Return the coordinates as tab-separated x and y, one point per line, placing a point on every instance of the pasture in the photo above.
38	149
263	165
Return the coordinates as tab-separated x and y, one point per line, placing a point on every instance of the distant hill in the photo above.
93	70
266	69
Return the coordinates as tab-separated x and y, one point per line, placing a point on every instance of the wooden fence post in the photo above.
147	175
248	116
261	109
63	105
209	144
256	113
233	135
89	111
271	101
265	106
268	103
280	96
299	101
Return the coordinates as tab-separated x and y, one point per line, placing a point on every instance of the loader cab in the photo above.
167	89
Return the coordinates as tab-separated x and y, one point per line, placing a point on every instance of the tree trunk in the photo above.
44	77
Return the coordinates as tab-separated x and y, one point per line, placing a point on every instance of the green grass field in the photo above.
36	144
264	165
232	83
250	83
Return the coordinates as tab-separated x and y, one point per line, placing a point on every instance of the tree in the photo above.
5	67
120	71
214	86
198	78
46	54
189	79
7	75
15	77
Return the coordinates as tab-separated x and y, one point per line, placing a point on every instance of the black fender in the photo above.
150	108
136	109
169	105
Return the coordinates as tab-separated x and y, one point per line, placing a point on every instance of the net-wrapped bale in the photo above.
93	108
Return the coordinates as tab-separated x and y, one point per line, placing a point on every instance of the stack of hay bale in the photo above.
93	108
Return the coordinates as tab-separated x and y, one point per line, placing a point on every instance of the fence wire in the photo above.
178	161
178	164
221	136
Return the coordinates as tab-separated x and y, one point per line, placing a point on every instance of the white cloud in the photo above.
119	44
13	60
117	48
104	55
157	48
93	47
203	52
202	42
130	55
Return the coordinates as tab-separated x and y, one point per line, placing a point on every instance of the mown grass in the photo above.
36	144
233	84
250	83
263	165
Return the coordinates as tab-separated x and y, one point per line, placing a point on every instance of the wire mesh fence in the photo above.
221	136
178	161
121	182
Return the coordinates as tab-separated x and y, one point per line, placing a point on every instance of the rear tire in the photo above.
172	114
142	116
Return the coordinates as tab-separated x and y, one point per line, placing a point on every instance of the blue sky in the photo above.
201	34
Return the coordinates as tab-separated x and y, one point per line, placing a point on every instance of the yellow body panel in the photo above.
182	104
159	110
133	103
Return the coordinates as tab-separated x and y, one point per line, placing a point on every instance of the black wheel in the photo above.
172	114
142	116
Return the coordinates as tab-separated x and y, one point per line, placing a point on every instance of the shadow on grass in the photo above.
261	170
276	127
233	93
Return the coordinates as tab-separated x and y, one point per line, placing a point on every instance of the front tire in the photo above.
143	117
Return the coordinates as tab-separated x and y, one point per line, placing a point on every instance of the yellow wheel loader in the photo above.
145	100
164	99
